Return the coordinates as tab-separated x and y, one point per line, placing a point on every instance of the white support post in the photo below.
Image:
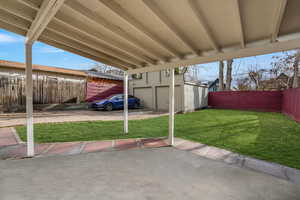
125	102
29	100
171	107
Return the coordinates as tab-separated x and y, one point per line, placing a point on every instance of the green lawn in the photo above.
268	136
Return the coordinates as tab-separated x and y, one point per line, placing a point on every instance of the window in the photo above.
137	76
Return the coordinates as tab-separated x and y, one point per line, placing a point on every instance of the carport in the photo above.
149	35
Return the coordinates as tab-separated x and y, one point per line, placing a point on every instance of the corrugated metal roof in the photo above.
103	75
151	35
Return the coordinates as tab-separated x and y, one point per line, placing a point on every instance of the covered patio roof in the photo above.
149	35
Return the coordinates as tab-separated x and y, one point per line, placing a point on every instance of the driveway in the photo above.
163	173
13	119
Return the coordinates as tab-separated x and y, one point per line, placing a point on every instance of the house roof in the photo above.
18	65
143	35
212	83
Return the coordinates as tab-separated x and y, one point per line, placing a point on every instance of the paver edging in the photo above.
231	158
16	135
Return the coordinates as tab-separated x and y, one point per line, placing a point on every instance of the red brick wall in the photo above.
98	89
246	100
291	103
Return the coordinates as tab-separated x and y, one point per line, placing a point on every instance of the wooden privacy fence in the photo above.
47	89
287	102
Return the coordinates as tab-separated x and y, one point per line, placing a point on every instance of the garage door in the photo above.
145	95
162	98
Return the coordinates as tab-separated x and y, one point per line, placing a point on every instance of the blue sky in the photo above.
12	48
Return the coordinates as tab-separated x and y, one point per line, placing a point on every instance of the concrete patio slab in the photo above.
161	173
228	157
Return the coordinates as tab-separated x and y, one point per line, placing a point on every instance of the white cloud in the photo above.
5	38
51	50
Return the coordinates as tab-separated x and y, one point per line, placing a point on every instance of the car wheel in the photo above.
136	106
109	107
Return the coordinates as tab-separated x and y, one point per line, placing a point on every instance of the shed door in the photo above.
162	98
145	95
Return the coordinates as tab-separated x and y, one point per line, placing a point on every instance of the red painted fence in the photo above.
246	100
287	102
291	103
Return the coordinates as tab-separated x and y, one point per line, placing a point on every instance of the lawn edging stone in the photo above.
231	158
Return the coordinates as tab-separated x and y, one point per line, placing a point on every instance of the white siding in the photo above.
195	97
146	97
162	98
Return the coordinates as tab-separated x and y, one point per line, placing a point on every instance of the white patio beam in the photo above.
44	16
125	102
29	100
204	26
29	3
252	49
79	52
118	10
101	22
171	107
239	22
278	19
171	26
60	30
72	43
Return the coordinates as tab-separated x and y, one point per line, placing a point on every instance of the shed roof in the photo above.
150	35
18	65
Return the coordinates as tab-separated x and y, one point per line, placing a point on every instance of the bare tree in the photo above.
229	74
100	67
243	83
191	73
221	75
296	69
287	64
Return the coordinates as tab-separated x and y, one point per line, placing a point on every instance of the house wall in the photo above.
195	97
98	88
48	88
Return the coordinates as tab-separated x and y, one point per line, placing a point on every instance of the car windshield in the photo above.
115	96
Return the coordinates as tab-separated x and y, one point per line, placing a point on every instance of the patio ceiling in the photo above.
150	35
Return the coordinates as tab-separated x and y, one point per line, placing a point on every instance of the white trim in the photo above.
171	107
29	100
240	22
202	22
232	52
278	19
125	103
